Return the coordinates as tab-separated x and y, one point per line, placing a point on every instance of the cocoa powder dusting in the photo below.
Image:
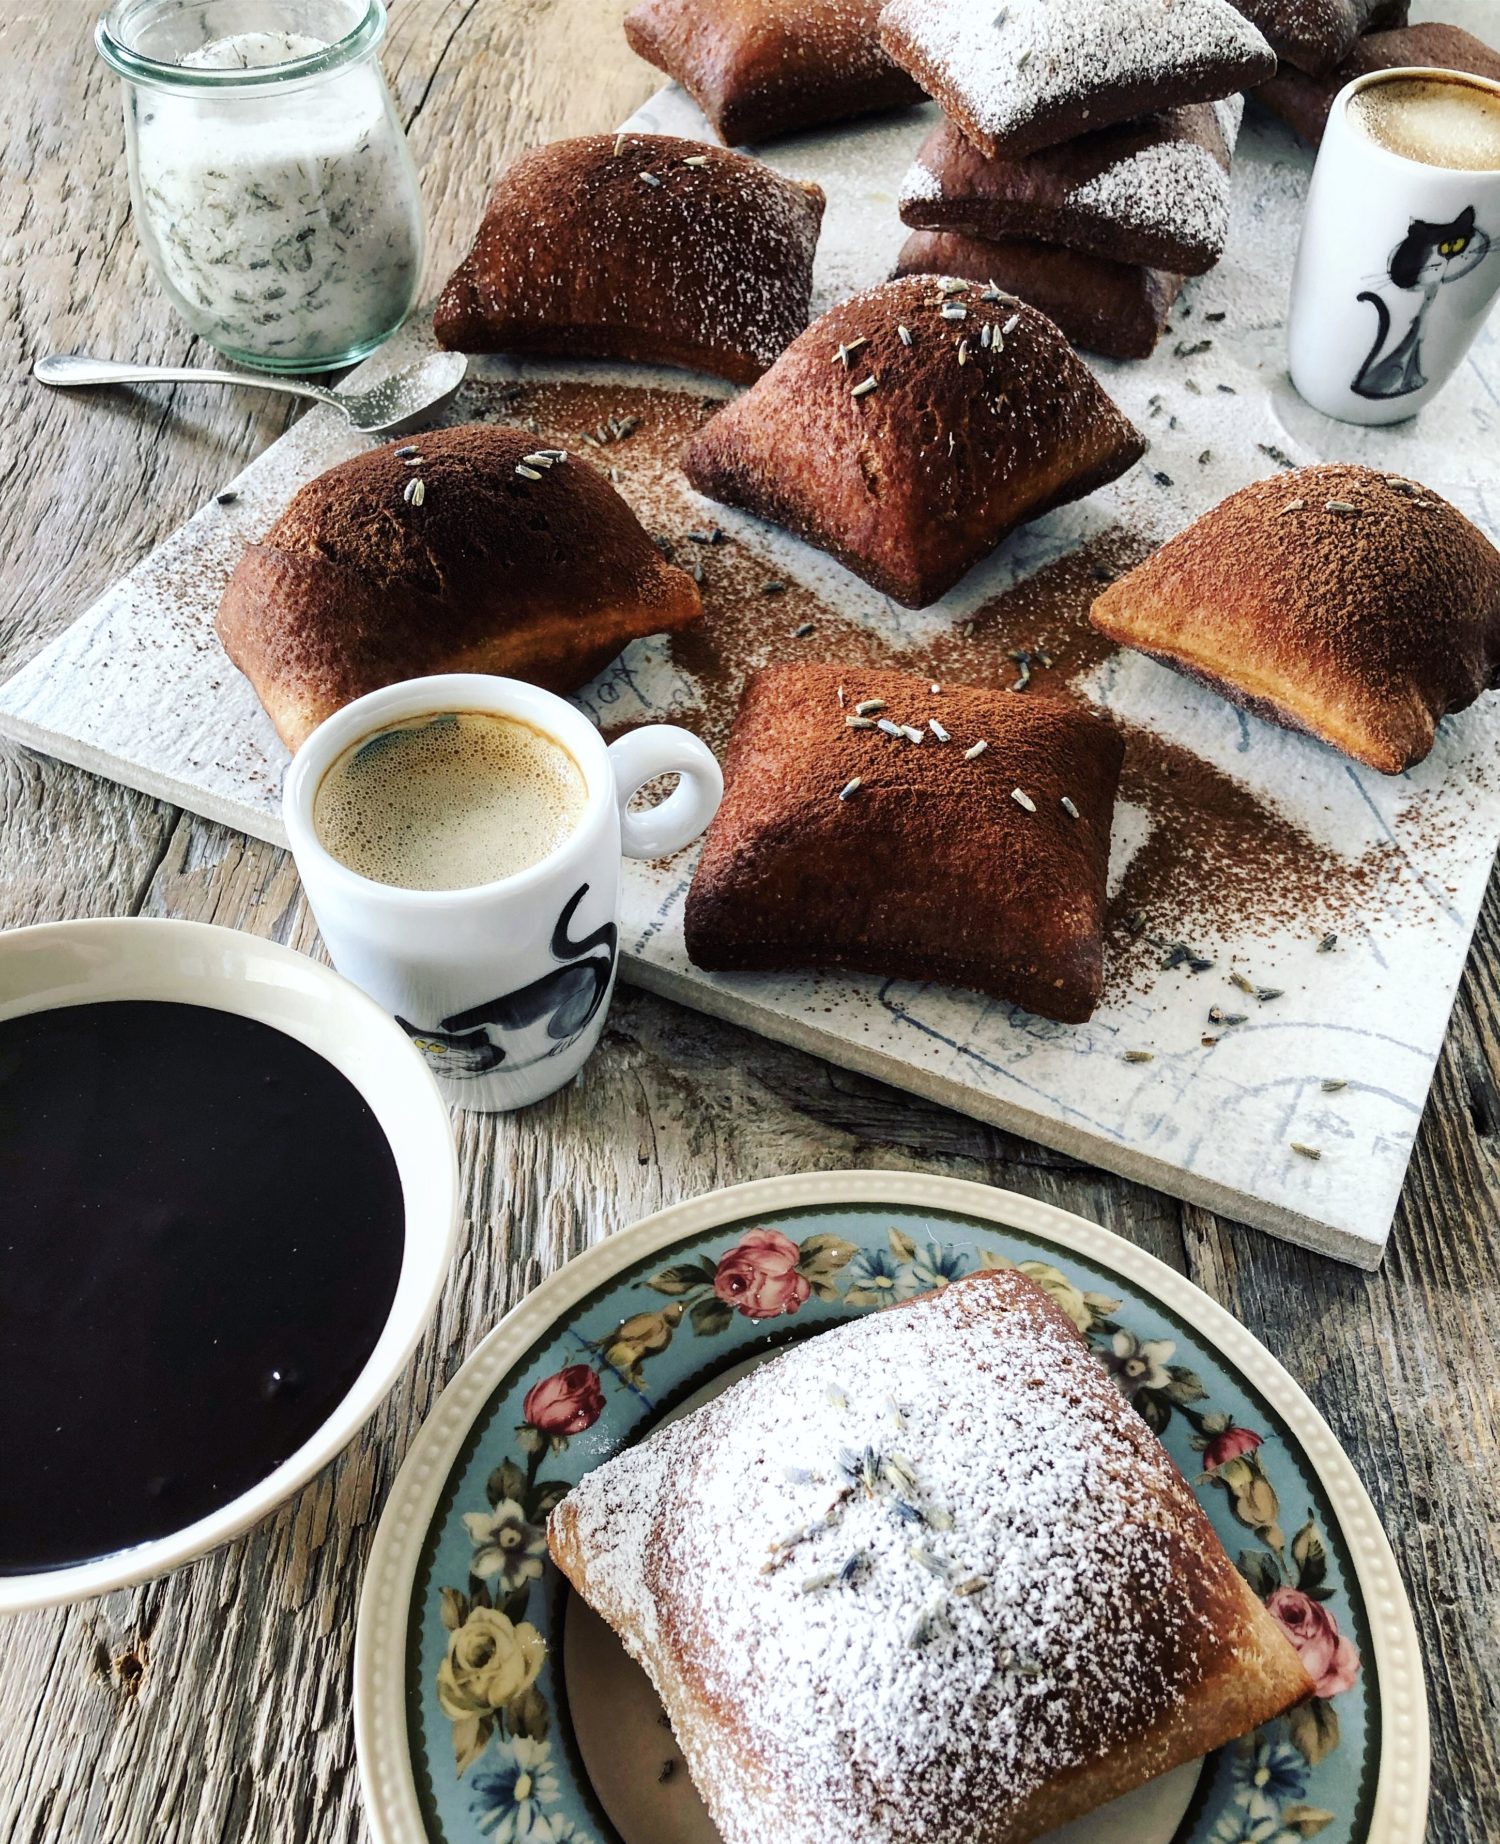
1217	861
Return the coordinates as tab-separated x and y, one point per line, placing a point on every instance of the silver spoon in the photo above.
396	404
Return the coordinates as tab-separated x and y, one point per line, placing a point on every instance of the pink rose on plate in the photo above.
1232	1444
759	1275
1329	1659
565	1403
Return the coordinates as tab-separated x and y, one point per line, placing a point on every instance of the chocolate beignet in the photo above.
907	431
1316	35
1034	73
760	68
1116	309
462	550
1154	192
642	247
966	841
1354	605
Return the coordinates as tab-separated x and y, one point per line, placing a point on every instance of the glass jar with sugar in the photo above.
273	189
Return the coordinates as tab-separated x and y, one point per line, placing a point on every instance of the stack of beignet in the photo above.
1084	160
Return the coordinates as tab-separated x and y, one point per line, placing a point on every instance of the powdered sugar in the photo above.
1007	68
1172	187
930	1555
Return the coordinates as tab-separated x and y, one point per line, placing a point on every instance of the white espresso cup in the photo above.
1397	266
503	986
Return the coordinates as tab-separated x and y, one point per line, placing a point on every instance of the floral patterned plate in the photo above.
492	1708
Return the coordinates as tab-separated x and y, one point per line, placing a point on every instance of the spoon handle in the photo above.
71	368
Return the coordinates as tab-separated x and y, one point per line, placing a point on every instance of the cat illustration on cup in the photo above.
536	1020
1427	257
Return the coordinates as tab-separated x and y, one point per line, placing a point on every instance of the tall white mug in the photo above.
1397	267
503	987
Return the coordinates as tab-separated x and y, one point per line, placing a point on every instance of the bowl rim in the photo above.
232	970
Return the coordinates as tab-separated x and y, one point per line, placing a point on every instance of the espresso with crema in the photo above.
1439	121
449	801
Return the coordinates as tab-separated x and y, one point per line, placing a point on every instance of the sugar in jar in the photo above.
273	189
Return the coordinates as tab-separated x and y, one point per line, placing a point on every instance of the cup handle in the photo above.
663	749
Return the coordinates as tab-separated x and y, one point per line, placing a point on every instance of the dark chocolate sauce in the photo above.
201	1229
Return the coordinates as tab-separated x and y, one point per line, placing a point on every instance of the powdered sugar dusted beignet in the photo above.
907	431
642	247
924	1579
1153	192
1354	605
1033	73
758	68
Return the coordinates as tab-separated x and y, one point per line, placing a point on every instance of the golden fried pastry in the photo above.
925	1576
1152	192
959	836
907	431
760	68
1316	35
1117	309
641	247
1034	73
463	550
1354	605
1303	102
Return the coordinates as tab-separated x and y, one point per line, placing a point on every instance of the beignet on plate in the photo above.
1354	605
760	68
1033	73
1153	192
926	1576
462	550
1117	309
907	431
1316	35
959	836
1303	102
642	247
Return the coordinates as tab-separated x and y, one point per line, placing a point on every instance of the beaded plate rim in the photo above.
1399	1810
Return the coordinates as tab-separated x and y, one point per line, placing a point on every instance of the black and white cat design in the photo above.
1428	256
537	1020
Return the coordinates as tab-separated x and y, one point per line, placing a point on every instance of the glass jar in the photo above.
274	192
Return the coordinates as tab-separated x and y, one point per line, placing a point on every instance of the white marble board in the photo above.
138	689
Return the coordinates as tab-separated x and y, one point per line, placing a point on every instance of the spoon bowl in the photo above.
407	399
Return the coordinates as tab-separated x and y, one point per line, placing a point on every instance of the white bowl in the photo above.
77	963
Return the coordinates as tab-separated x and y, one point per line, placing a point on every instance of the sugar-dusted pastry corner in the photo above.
911	428
1355	605
1154	192
928	1573
642	247
870	821
462	550
1032	74
761	68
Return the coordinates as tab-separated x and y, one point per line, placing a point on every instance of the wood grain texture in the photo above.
215	1704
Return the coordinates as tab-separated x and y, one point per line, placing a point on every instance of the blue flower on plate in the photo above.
931	1268
1240	1828
876	1277
1268	1776
519	1779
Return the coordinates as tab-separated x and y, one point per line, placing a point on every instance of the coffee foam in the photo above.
449	801
1437	121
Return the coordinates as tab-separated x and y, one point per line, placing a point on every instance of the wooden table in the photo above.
215	1704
